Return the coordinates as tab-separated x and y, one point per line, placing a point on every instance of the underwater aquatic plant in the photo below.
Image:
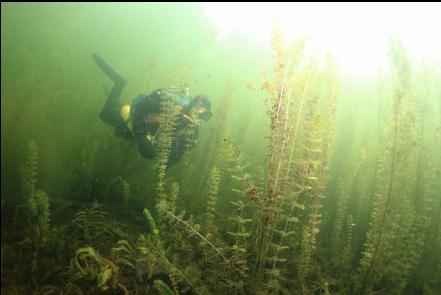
340	235
393	192
285	214
192	228
28	176
321	132
342	195
299	127
163	288
89	263
214	145
346	250
165	137
213	189
37	201
291	177
122	191
93	226
285	119
215	251
151	243
123	253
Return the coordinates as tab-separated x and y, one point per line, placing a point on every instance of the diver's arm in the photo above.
195	137
138	110
142	107
175	156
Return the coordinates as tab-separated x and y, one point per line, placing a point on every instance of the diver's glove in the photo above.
151	139
146	147
156	166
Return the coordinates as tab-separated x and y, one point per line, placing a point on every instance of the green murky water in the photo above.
318	173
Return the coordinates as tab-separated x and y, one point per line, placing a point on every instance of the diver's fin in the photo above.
117	79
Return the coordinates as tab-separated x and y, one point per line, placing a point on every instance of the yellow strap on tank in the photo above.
125	115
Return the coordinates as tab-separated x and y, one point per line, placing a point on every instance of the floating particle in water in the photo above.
267	85
250	85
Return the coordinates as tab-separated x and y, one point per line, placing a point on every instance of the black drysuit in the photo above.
142	111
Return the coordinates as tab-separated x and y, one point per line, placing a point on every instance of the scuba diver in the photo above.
140	121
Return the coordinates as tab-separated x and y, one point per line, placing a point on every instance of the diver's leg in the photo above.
111	111
117	79
110	114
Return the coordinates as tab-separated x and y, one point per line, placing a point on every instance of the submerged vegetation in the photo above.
335	207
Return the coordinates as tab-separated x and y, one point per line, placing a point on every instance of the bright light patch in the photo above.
355	33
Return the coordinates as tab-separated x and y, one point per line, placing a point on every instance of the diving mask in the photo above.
205	114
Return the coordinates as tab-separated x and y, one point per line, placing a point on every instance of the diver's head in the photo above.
199	108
